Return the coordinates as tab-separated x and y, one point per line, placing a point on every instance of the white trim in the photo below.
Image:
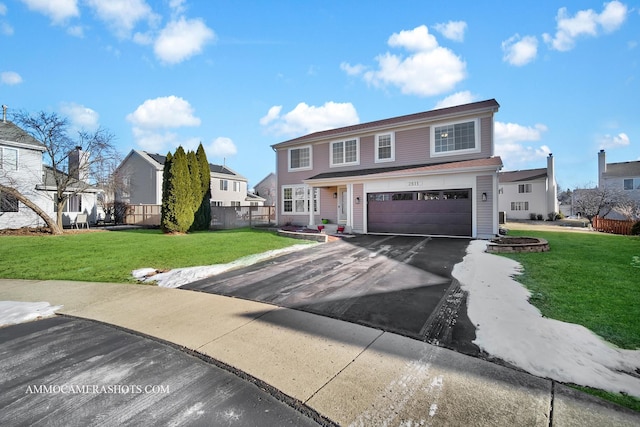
302	147
344	153
432	138
393	147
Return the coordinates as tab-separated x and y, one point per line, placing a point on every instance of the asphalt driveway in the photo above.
399	284
74	372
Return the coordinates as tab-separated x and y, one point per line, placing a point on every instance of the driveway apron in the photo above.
399	284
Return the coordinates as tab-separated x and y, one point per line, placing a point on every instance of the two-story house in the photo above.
429	173
22	168
530	191
142	172
624	177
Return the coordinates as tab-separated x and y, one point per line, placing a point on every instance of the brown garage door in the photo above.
444	212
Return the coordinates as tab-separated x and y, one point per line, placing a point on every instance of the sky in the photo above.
240	76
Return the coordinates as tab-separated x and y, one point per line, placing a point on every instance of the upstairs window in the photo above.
8	158
631	184
524	188
224	185
454	138
236	186
385	147
300	158
345	153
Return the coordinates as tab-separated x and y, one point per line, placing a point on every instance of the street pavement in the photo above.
351	374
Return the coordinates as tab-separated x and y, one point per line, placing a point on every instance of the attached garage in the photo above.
440	212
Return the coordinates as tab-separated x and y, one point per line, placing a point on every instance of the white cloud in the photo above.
520	51
430	70
613	141
10	78
222	147
459	98
58	11
81	117
352	70
585	23
3	9
122	15
76	31
304	119
182	39
6	29
509	139
453	30
155	115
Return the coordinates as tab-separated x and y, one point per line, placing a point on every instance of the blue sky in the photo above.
239	76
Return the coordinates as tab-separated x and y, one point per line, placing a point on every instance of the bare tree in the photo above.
74	161
112	182
592	202
628	208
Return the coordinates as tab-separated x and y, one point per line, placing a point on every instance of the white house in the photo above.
22	168
522	193
142	172
267	189
624	177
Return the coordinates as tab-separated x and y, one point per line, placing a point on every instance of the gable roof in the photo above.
624	169
10	133
439	114
160	159
49	182
522	175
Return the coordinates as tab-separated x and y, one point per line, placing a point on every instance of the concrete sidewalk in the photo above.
352	374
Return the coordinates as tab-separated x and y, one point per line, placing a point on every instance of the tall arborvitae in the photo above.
203	215
180	197
165	212
194	175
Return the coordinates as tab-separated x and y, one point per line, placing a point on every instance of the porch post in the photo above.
310	192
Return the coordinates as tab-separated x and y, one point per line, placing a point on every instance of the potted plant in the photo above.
325	221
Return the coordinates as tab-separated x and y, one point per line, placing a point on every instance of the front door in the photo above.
342	205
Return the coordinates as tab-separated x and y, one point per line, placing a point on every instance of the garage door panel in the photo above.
444	212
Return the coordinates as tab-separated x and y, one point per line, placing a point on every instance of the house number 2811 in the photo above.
414	183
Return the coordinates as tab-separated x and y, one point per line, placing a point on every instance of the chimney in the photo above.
4	113
602	167
79	164
552	187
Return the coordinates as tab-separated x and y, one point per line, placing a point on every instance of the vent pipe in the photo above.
4	113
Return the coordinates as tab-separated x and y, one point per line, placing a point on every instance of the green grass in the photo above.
112	256
590	279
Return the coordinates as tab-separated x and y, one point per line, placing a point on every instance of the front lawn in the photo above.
111	256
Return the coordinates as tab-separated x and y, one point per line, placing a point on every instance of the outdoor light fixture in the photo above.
335	195
357	200
484	197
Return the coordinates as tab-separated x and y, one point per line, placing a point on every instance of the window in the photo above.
632	184
236	186
8	203
224	185
454	195
8	158
454	137
345	153
297	199
300	158
524	188
73	204
217	203
385	147
519	206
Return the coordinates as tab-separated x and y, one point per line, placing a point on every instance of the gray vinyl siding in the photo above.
358	209
485	209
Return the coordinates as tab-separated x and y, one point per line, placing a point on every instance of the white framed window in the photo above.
385	147
455	138
519	206
298	199
524	188
631	184
224	185
236	186
8	203
344	153
8	158
300	158
73	204
217	203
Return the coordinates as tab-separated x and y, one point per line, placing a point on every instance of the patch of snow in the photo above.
181	276
14	312
510	328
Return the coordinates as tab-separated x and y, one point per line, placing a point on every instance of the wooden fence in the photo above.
612	226
222	217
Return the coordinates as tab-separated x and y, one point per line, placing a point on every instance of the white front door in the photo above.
342	205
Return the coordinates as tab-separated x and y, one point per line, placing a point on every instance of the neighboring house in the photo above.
623	177
530	191
21	168
141	173
429	173
267	189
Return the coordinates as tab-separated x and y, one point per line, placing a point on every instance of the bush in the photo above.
635	229
552	216
540	217
532	216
